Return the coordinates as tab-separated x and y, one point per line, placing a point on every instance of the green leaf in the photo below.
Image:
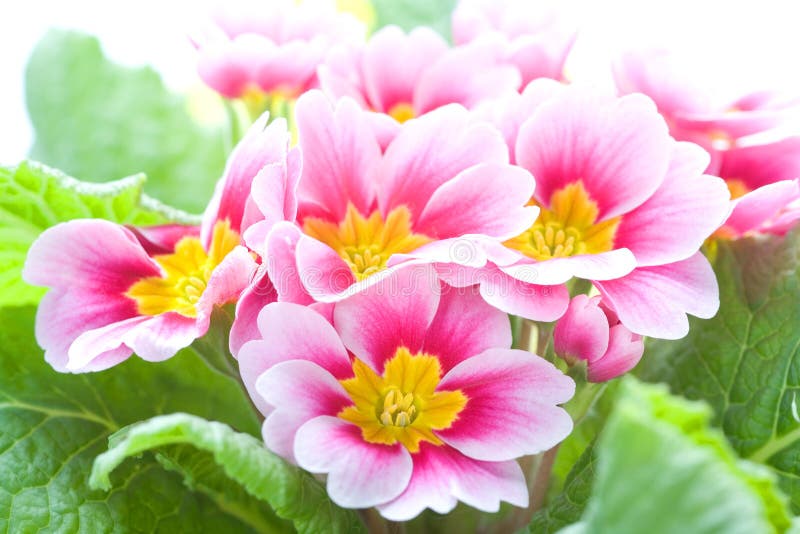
745	362
239	461
408	14
53	425
99	121
661	468
34	197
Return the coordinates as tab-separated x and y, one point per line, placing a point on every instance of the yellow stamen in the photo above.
569	227
367	243
737	187
402	112
403	404
186	274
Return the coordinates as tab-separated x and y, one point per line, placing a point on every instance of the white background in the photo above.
734	44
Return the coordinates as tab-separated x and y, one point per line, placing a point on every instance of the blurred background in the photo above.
733	44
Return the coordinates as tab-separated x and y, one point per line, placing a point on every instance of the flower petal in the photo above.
257	295
360	474
583	332
512	405
517	297
759	207
443	476
625	349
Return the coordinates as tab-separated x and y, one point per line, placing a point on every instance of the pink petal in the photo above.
619	148
488	199
291	67
583	332
340	152
604	266
226	283
360	474
465	325
654	301
759	165
281	264
512	408
624	352
755	209
687	208
99	256
466	75
396	312
262	145
393	63
163	238
299	391
443	476
257	295
323	273
230	66
431	150
542	56
517	297
152	338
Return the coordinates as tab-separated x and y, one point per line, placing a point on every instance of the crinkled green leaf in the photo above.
239	461
662	469
99	121
745	362
408	14
53	425
34	197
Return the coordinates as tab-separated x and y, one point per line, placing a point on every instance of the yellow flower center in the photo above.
187	272
402	405
402	112
569	227
367	243
737	187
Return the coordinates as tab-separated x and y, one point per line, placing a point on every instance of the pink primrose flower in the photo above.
407	397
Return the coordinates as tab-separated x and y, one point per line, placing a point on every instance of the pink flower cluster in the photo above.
373	264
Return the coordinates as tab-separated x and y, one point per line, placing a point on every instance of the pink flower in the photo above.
455	405
271	46
692	111
363	213
405	76
622	205
591	332
116	290
763	180
536	36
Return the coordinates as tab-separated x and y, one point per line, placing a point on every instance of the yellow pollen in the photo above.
402	112
403	404
737	187
186	274
569	227
367	243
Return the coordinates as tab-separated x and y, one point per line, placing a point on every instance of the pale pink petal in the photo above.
583	332
360	474
97	255
512	408
518	297
340	153
262	145
323	273
604	266
230	66
152	338
258	294
282	264
393	63
291	68
625	349
618	148
654	301
758	207
687	208
394	313
299	391
488	199
465	325
431	150
542	56
466	75
443	476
